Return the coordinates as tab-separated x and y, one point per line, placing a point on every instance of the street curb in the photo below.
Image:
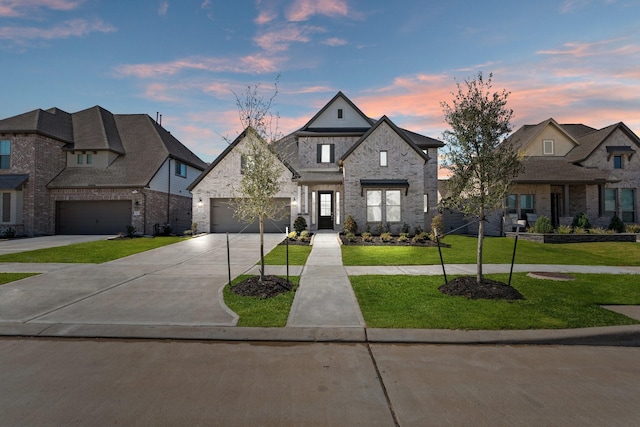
622	336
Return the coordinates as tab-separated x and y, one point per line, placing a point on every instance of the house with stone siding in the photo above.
572	169
339	163
92	172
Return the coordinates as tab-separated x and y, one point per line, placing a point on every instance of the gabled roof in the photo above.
591	141
423	141
52	123
308	127
229	149
145	147
527	133
396	129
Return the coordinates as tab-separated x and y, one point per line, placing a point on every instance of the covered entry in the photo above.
93	217
223	220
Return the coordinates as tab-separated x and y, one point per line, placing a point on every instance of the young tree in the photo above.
483	165
263	172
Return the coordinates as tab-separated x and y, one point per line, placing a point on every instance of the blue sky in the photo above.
577	61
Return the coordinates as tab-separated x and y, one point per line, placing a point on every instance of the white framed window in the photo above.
384	206
547	146
340	114
89	158
79	159
326	153
425	203
181	169
383	158
5	154
628	204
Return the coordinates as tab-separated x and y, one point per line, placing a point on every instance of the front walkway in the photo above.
325	297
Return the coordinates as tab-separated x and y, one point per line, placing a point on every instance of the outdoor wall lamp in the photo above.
200	202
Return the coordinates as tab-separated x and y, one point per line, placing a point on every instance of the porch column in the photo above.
565	200
299	207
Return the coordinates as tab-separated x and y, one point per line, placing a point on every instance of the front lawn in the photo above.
415	302
260	312
95	252
497	250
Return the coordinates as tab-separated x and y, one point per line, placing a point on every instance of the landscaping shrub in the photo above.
350	225
8	233
305	236
351	237
130	230
597	230
194	228
379	229
581	221
292	235
616	224
421	237
632	228
579	230
300	224
405	228
564	229
386	237
404	237
543	225
367	237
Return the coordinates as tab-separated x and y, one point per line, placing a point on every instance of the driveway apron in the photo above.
325	297
179	284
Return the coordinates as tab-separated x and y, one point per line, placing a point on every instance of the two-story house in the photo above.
92	172
572	169
339	163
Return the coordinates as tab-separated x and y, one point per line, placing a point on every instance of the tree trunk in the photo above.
480	241
261	222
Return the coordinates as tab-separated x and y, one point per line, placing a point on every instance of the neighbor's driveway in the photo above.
177	284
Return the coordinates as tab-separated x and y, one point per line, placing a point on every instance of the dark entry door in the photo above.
325	210
556	208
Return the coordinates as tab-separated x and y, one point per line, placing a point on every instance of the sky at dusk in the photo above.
577	61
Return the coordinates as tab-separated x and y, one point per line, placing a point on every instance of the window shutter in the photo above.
319	153
332	158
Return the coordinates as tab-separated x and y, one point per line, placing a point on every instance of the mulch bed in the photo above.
295	242
467	286
377	242
271	286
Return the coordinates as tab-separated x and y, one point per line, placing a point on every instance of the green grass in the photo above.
298	255
258	312
12	277
496	250
91	252
415	302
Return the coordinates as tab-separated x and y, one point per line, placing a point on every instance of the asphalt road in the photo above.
75	382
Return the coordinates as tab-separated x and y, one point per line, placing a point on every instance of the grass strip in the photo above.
95	252
259	312
12	277
415	302
298	255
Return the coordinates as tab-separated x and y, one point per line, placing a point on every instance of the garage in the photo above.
93	217
223	220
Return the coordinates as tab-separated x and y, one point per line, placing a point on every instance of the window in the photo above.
425	203
245	162
79	158
512	204
6	207
383	158
374	206
628	204
181	169
393	211
387	202
89	159
337	214
340	114
5	154
547	146
526	205
610	201
326	153
617	162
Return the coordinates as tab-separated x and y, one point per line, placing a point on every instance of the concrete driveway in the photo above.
176	285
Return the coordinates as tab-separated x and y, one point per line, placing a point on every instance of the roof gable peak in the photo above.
339	113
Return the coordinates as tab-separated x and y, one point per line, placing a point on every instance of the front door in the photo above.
556	208
325	210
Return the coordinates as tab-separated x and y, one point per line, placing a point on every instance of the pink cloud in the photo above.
72	28
335	41
280	39
247	64
301	10
14	8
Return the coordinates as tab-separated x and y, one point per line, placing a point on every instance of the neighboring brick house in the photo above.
571	169
340	163
92	172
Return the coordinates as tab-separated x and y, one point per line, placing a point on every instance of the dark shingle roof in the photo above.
541	170
95	129
53	123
